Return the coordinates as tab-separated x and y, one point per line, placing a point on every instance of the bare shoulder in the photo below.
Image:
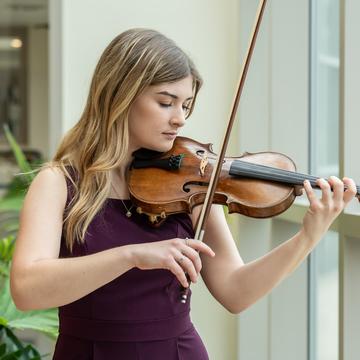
50	176
49	185
41	218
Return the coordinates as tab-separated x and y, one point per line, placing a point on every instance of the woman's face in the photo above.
158	113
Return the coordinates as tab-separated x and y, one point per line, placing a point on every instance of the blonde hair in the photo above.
98	142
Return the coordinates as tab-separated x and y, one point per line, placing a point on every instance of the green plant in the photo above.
13	199
11	319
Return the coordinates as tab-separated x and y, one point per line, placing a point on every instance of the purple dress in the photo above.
137	316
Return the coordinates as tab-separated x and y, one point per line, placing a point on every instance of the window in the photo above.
324	161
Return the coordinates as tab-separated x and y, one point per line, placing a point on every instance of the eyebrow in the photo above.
172	95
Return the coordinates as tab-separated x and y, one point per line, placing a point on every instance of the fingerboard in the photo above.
264	172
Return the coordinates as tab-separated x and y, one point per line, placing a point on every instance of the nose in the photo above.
178	118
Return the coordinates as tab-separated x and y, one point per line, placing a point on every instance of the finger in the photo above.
188	266
310	193
351	189
200	246
338	189
178	271
193	255
325	191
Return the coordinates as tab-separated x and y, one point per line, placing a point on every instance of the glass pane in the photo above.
325	87
327	27
324	299
324	127
326	121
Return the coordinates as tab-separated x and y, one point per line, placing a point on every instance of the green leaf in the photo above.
9	226
13	348
12	356
17	186
45	321
4	269
7	248
13	203
30	351
16	355
13	338
18	153
2	349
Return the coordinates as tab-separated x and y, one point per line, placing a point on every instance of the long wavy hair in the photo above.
98	142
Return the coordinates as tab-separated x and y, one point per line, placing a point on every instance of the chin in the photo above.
168	148
162	147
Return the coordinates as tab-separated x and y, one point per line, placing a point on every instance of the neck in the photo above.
118	178
122	169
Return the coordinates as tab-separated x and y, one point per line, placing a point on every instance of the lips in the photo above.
173	133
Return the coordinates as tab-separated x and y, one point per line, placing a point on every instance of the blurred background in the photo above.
300	98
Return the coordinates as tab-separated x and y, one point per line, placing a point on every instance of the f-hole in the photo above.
187	185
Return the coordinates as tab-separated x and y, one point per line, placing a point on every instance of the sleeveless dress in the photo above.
138	315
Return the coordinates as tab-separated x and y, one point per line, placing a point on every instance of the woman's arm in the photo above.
39	279
237	285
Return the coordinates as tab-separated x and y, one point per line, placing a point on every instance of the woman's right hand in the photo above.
180	256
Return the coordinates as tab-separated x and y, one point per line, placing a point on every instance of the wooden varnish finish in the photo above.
158	191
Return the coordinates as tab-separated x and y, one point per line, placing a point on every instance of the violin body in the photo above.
160	192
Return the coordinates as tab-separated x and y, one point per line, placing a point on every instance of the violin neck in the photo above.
263	172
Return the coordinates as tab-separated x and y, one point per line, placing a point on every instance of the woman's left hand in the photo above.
323	211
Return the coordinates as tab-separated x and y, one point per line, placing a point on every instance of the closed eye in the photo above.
186	108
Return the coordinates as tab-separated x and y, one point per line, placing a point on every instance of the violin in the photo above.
259	185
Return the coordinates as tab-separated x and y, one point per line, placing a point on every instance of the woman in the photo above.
82	247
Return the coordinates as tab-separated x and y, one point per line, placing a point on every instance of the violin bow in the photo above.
201	221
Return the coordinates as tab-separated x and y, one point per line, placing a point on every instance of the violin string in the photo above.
274	173
279	174
270	173
282	173
244	168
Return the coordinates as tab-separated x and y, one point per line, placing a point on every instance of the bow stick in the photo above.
201	222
